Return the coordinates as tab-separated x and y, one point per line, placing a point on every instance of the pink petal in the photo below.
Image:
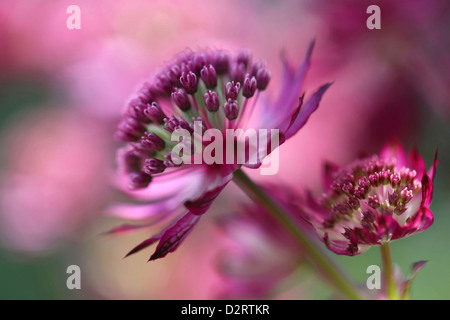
394	150
306	110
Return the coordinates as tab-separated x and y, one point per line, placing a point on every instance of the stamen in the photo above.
373	202
174	74
211	99
244	57
395	180
249	86
232	90
199	60
129	129
181	99
263	77
221	61
152	142
139	180
132	162
136	109
209	76
237	72
189	82
153	166
154	112
406	195
231	109
173	123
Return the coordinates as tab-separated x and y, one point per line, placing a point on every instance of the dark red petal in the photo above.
144	244
426	220
201	205
387	225
427	191
420	222
175	235
127	228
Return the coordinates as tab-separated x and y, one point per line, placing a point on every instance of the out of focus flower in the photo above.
412	42
220	92
53	178
373	200
260	254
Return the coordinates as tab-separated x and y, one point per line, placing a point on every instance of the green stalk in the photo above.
316	255
388	269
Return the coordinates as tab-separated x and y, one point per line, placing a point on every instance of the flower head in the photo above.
208	90
373	200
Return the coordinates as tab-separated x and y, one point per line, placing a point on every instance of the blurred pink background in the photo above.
58	154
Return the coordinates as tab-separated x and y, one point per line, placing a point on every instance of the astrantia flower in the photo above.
219	92
260	254
373	201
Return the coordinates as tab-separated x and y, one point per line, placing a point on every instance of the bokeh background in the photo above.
62	92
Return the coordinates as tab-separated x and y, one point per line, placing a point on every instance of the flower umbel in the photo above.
219	92
373	201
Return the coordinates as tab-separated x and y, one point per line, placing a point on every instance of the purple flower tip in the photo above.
249	86
232	90
189	82
181	99
173	123
211	99
238	71
263	77
154	112
152	142
209	76
153	166
139	180
231	109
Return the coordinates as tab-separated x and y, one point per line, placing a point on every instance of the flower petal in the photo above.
306	110
416	160
201	205
427	191
276	114
175	235
144	244
394	150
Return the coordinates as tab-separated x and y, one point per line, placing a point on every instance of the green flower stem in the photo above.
388	269
316	255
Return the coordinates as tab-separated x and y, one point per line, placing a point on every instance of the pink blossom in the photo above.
372	201
167	190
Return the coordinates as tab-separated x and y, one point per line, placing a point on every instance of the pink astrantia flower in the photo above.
220	91
259	254
373	200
